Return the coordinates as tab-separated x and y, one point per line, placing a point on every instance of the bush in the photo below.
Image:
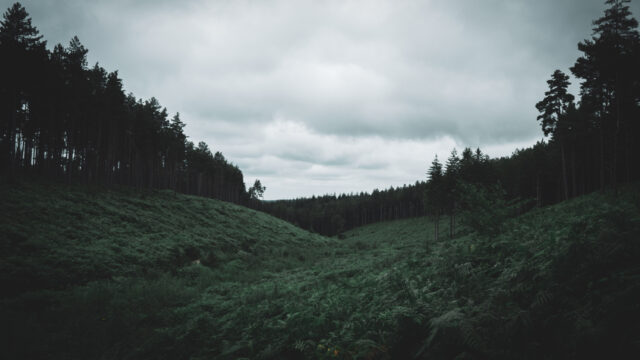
485	209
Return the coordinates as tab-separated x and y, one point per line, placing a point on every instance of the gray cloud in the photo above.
295	91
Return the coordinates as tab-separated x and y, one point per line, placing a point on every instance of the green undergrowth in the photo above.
117	273
58	236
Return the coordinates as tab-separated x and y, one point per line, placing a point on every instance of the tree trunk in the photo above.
438	227
627	156
616	135
564	172
573	170
614	167
602	159
453	223
538	192
12	144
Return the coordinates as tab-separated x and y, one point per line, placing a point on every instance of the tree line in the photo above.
62	119
331	214
592	144
588	145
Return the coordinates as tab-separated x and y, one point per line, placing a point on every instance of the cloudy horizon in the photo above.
323	97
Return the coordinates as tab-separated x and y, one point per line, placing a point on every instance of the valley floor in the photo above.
112	273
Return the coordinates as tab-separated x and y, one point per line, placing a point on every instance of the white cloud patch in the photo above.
302	162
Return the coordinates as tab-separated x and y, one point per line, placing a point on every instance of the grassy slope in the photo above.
559	282
114	279
77	262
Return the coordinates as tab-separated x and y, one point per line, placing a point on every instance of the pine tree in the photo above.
555	103
451	178
605	67
435	193
23	54
552	108
16	29
256	192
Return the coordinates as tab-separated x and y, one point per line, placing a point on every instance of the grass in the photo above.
89	272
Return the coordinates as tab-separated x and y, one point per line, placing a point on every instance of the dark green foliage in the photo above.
485	209
114	273
554	284
88	270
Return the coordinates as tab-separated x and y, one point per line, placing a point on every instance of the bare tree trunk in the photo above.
564	172
573	170
627	156
614	168
602	159
453	223
437	227
538	192
616	135
12	145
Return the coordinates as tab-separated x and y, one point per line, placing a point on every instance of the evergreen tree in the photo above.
608	67
21	63
435	194
555	103
61	119
256	191
552	108
451	178
16	29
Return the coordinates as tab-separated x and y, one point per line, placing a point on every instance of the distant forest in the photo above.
63	120
60	119
592	144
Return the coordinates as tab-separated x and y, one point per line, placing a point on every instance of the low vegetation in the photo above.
89	272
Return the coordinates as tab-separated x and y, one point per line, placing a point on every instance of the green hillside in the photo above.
87	271
60	236
101	273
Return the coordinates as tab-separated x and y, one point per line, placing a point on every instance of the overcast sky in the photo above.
316	97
